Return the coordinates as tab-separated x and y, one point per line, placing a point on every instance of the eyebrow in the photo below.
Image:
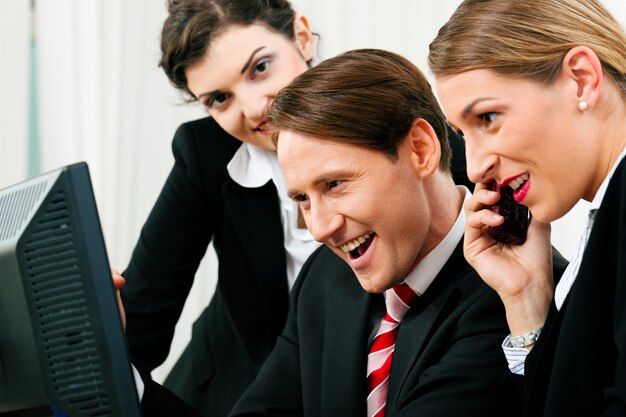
292	194
208	93
245	67
468	109
247	64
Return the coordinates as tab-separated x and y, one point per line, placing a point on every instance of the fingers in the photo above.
482	198
122	311
118	280
477	210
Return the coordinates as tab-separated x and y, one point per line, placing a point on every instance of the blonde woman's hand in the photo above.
520	274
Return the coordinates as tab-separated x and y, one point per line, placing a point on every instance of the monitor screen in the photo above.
62	345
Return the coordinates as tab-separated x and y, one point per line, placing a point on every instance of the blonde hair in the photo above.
527	38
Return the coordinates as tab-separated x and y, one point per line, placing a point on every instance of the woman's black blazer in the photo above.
200	203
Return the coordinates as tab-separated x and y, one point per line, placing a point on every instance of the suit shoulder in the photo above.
202	147
325	260
321	269
615	197
205	137
470	283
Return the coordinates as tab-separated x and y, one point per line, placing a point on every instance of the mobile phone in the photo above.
516	217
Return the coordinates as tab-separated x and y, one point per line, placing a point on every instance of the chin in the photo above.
372	286
548	214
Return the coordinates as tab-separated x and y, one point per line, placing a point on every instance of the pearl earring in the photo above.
582	105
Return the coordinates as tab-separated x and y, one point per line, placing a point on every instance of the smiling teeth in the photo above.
518	181
350	246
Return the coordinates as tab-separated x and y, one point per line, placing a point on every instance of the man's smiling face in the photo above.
368	209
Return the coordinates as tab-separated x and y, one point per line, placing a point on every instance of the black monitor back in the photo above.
61	340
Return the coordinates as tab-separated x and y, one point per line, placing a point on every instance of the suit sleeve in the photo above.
277	390
171	245
158	401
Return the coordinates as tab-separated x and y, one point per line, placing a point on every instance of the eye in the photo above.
261	67
300	198
488	117
334	183
216	100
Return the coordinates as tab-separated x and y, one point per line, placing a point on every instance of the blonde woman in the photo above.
538	89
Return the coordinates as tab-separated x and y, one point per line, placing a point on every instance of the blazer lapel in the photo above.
416	327
258	279
344	360
255	215
539	365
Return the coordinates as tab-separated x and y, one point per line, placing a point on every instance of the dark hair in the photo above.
366	97
192	24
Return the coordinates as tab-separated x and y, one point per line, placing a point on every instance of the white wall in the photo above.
14	53
104	100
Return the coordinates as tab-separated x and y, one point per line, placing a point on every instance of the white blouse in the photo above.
253	167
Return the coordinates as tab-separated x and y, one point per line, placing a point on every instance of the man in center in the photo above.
363	145
364	149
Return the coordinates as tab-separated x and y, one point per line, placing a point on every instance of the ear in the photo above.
582	66
303	36
424	146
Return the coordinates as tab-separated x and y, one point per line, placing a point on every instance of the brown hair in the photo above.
192	24
366	97
527	38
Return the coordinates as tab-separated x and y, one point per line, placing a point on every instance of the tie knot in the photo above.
398	300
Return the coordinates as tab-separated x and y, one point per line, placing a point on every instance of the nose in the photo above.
481	164
254	107
323	221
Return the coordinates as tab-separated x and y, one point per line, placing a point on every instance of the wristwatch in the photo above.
525	339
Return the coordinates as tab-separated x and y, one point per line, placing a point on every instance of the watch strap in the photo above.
526	339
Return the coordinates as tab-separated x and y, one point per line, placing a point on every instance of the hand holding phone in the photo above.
516	217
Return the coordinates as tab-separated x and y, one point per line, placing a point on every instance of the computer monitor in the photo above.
62	345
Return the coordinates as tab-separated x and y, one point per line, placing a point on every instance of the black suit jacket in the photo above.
237	331
578	367
447	359
233	336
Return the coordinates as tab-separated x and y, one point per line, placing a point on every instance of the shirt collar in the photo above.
251	166
597	199
425	272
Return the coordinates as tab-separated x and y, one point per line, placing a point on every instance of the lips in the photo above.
520	193
520	185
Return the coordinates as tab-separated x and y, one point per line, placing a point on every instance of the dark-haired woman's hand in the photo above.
118	283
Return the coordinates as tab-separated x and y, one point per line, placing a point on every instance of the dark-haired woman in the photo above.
226	187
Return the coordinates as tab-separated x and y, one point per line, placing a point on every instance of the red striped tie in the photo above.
398	300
